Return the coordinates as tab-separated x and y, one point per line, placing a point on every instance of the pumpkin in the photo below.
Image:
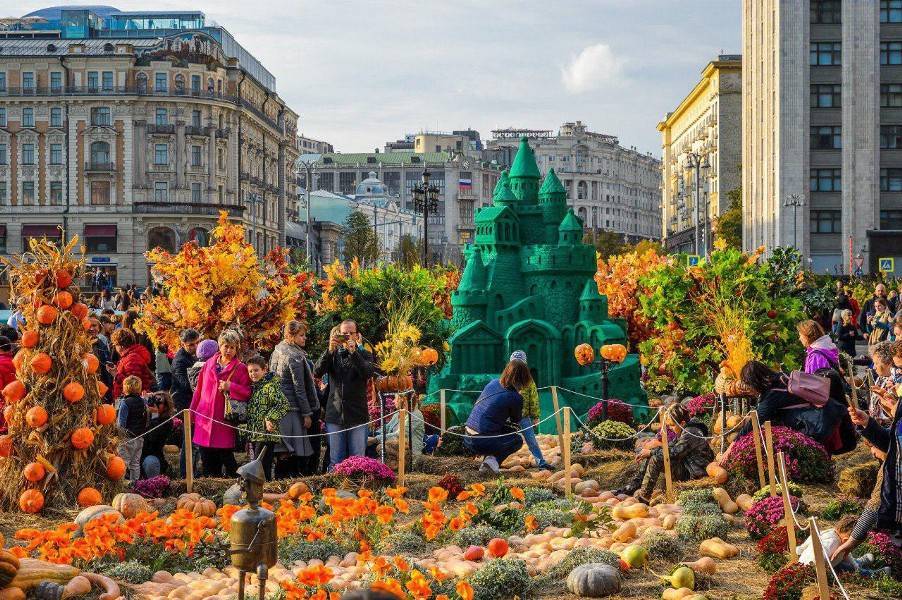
79	310
614	352
115	468
82	438
31	501
30	339
584	354
20	358
297	490
716	472
34	472
635	556
89	496
47	314
594	580
498	547
6	445
130	504
63	300
86	324
9	566
94	512
63	279
77	586
33	571
12	593
73	392
394	383
102	388
474	553
36	416
41	363
105	414
90	363
13	391
429	356
196	504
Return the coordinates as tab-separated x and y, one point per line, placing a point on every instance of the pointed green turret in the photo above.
473	277
590	292
571	230
524	175
552	188
503	180
503	193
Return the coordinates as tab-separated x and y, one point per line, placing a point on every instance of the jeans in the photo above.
529	435
499	447
345	444
130	451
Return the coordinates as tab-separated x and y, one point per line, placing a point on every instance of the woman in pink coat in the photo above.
222	372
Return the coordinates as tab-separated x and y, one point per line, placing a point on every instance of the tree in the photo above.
607	243
649	246
408	252
728	226
360	239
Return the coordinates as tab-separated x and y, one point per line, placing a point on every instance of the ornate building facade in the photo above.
134	131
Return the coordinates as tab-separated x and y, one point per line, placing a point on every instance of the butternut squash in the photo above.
669	521
723	499
717	548
705	565
744	501
77	586
625	533
110	587
33	571
716	472
676	594
632	511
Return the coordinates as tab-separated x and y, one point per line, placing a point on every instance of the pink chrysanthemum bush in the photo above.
618	410
807	461
765	515
701	406
364	470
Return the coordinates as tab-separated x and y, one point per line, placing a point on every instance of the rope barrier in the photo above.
623	439
516	432
155	427
286	437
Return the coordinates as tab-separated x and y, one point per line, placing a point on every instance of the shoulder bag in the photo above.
235	412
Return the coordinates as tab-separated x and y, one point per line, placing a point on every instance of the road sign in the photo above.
692	260
887	265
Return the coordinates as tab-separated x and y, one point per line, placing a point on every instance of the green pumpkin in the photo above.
594	580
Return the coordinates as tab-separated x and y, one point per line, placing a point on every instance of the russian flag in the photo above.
465	183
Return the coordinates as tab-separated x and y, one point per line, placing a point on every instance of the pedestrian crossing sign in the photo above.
887	265
692	260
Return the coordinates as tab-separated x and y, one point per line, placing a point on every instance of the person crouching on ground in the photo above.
496	416
267	407
689	455
131	415
530	415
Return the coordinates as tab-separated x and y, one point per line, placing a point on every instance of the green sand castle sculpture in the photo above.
529	285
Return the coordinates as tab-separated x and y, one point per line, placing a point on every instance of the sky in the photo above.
363	72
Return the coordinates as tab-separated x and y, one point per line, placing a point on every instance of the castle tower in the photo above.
553	200
469	301
570	233
524	174
593	307
503	195
503	180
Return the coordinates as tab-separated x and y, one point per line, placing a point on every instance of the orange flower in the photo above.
531	523
464	590
437	494
392	586
315	576
401	564
418	586
517	494
456	524
402	505
464	495
395	492
385	514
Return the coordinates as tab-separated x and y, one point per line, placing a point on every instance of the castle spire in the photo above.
501	181
570	231
552	188
473	277
524	175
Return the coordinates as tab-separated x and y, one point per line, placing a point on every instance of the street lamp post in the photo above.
795	201
309	167
698	162
425	199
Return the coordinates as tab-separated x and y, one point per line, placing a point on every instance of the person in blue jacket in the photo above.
496	416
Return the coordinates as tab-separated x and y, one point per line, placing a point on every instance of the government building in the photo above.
133	130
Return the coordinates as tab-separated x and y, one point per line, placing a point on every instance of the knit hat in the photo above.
519	355
206	349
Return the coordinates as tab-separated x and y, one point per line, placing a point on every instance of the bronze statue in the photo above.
253	533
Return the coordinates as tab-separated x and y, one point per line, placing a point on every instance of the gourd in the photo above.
130	504
429	356
47	314
717	548
474	553
94	512
63	299
115	468
625	533
30	339
723	499
744	501
89	496
105	414
9	566
110	587
705	565
82	438
584	354
73	392
676	594
63	279
91	363
498	547
12	593
682	577
394	383
31	501
716	472
6	445
669	521
14	391
594	580
33	571
78	586
613	352
634	555
41	363
196	504
633	511
297	490
79	311
34	472
36	416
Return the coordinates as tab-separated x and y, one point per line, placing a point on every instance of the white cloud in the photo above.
595	66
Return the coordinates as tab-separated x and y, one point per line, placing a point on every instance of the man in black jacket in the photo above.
349	368
868	311
181	384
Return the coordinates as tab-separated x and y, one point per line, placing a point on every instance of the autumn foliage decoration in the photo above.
55	447
221	286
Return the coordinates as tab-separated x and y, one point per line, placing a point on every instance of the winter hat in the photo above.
206	349
519	355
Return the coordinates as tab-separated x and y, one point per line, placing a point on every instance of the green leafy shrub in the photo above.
499	579
130	572
551	517
506	520
613	434
838	508
294	549
696	528
404	542
794	490
478	535
214	553
664	546
534	495
695	495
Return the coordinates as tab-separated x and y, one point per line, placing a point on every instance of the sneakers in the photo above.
489	465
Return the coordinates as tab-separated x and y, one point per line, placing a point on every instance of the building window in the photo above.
100	116
891	137
100	192
891	95
27	117
160	191
826	138
346	183
162	117
56	117
107	81
195	192
27	192
195	83
826	96
2	81
27	154
826	180
195	118
93	81
100	154
891	11
3	192
56	193
891	53
160	82
826	221
826	11
56	154
891	180
221	194
2	117
891	219
56	82
3	158
100	238
826	53
195	156
28	81
220	158
161	154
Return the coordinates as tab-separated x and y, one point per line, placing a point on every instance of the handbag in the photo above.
235	412
813	389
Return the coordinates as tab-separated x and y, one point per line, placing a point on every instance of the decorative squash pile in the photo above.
61	445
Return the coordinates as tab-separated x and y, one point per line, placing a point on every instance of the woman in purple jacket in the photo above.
820	351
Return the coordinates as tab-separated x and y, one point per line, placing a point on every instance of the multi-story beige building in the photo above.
822	130
704	130
308	145
610	187
133	131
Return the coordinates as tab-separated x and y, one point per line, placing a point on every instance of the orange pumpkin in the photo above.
63	279
82	438
36	416
73	392
47	314
115	468
41	363
14	391
6	445
34	472
394	383
30	339
498	547
63	299
102	388
19	359
31	501
429	356
89	497
584	354
79	310
90	363
105	414
613	352
8	411
86	324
